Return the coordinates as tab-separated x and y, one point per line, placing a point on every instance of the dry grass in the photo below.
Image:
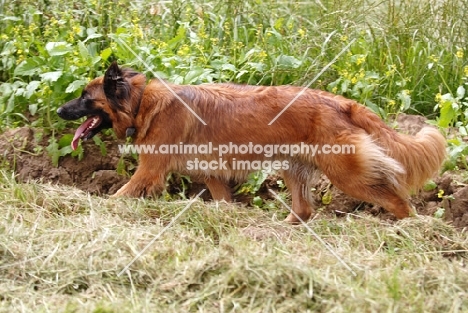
61	251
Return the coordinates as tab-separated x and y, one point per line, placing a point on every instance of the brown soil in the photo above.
25	152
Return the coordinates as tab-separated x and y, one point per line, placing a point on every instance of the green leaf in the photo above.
65	140
327	197
447	114
53	150
439	213
93	36
460	92
66	150
430	185
75	85
33	108
288	62
405	99
193	74
58	48
51	76
180	36
11	18
28	67
105	54
259	67
463	130
83	50
98	141
5	90
31	88
257	201
228	67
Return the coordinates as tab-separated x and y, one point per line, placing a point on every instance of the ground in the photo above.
97	174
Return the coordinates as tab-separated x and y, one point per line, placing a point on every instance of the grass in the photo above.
62	251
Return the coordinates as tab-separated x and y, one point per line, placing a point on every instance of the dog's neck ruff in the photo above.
130	131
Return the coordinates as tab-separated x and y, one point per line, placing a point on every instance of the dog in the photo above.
384	168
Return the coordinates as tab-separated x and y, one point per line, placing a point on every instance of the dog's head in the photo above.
110	101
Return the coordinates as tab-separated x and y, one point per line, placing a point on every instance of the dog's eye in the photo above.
86	102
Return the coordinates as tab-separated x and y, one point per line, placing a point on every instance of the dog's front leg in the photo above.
142	186
148	180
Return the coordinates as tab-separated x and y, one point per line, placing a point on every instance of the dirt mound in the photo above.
24	152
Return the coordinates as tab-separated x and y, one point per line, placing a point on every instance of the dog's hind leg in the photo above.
369	174
298	179
218	188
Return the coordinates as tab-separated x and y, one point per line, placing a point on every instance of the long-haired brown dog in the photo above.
383	169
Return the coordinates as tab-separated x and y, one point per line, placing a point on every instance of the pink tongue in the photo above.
80	131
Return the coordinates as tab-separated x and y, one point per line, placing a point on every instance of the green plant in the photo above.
402	56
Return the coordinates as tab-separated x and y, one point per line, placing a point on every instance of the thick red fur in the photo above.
384	169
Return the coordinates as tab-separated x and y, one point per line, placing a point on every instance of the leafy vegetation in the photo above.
402	58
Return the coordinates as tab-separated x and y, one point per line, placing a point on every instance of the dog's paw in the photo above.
124	191
291	219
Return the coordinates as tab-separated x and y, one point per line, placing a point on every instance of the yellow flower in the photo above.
391	103
262	54
76	29
32	27
361	74
137	31
433	58
343	73
301	32
465	70
354	80
184	50
459	53
202	34
344	38
20	59
360	60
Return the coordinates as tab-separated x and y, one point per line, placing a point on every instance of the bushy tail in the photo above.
421	155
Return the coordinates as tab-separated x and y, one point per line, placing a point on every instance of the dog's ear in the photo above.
112	78
116	86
